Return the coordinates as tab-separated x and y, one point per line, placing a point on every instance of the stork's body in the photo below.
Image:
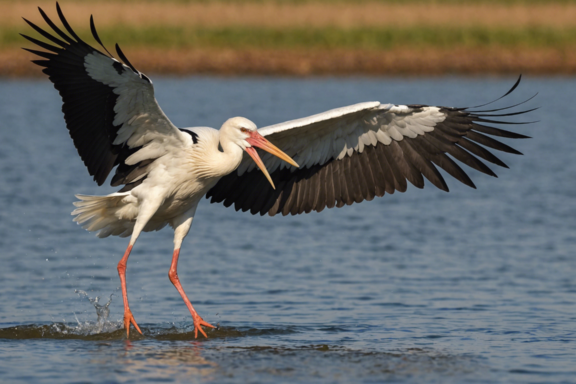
171	190
170	193
346	155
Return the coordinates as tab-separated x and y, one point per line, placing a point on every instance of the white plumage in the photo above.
346	155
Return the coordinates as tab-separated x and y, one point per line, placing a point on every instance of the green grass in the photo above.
325	38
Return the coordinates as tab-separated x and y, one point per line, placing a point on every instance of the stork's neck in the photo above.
215	155
230	156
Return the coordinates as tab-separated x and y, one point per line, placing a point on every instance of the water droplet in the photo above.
102	311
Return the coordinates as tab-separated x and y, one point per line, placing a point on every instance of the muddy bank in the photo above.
16	63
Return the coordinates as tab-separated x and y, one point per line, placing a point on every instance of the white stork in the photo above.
346	155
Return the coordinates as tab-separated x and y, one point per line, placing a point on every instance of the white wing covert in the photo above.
354	153
109	106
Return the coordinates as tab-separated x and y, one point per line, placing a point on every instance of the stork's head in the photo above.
244	133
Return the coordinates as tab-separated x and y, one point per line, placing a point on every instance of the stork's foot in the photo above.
198	323
129	319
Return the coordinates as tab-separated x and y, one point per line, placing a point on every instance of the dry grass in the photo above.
316	15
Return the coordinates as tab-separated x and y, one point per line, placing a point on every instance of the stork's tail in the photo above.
109	215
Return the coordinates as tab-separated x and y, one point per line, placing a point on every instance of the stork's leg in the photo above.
181	227
146	211
128	317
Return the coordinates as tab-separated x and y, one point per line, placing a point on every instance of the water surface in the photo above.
424	286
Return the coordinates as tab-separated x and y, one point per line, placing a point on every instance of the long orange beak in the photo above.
257	140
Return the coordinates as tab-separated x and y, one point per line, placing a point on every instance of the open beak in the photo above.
257	140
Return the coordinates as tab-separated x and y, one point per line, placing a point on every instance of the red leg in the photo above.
173	275
128	317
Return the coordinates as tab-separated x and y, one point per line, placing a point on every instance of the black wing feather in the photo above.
66	25
55	28
95	35
41	44
125	59
377	170
88	105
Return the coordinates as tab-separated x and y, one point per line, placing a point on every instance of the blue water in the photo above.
471	286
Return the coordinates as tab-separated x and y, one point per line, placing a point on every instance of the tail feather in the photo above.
109	215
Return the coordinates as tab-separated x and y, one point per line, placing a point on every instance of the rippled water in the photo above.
425	286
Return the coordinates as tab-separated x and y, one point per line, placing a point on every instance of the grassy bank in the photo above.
316	37
179	37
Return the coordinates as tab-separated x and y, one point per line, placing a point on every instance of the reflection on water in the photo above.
309	362
337	362
151	362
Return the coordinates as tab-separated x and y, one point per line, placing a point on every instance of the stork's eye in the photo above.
244	130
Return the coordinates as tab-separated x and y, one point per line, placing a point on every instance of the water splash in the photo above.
102	311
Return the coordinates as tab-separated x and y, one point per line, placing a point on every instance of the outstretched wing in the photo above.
109	106
354	153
